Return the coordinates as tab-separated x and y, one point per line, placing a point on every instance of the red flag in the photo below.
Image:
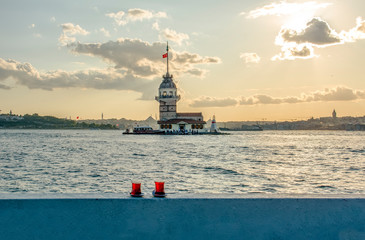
77	117
164	56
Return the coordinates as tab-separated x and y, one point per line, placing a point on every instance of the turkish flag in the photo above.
164	56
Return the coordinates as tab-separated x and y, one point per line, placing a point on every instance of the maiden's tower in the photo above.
170	120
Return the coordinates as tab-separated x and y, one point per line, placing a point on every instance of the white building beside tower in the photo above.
170	120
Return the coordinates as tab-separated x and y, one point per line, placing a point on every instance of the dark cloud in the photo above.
141	58
2	86
304	52
193	58
317	32
300	44
196	72
24	74
265	99
246	101
335	94
127	54
138	66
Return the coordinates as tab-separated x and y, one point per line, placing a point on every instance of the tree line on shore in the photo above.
35	121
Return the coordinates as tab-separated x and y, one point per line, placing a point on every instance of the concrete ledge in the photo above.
117	216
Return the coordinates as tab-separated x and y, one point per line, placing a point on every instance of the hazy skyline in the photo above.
240	60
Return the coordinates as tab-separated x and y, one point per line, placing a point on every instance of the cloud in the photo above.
303	32
250	57
31	26
118	17
174	36
300	44
335	94
141	14
317	32
197	72
295	51
285	8
122	18
213	102
193	58
52	19
338	93
26	75
156	26
69	30
143	59
138	67
356	33
169	34
136	14
2	86
105	32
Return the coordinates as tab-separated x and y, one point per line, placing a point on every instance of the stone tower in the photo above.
167	94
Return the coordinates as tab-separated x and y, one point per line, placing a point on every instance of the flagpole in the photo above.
167	49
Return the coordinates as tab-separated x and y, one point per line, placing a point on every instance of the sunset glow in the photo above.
274	60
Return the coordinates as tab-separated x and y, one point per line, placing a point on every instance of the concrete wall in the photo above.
115	216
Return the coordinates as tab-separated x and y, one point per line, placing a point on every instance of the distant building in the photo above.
170	120
334	114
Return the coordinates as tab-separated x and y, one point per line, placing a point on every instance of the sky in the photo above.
240	60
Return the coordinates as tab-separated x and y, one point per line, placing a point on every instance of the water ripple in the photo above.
71	161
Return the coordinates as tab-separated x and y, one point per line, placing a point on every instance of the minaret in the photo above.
334	114
167	93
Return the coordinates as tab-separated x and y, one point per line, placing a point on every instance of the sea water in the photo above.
102	161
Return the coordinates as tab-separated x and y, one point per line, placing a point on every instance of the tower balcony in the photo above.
176	98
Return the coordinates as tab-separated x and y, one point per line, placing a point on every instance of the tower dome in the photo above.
167	82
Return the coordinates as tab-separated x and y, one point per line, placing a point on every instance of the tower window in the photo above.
164	93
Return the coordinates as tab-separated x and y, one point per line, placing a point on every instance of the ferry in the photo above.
143	130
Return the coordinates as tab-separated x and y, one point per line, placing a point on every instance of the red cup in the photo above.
159	187
136	189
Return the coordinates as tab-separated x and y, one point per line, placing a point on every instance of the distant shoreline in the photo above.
231	130
34	121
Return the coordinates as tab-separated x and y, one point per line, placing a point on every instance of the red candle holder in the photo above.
159	189
136	190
